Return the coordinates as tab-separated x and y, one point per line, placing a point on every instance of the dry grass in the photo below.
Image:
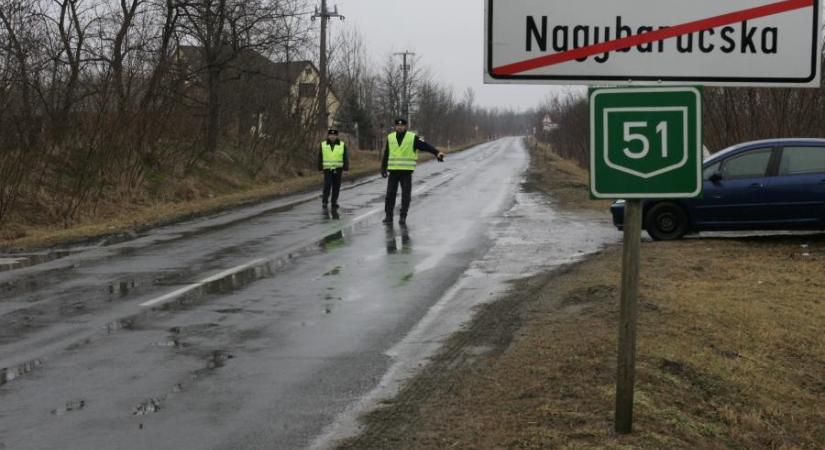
563	179
724	361
205	192
138	217
730	355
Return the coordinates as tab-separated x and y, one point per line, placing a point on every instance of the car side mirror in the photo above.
715	178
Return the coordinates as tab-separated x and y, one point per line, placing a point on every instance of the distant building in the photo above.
252	86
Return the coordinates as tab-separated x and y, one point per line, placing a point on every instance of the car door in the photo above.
796	195
735	201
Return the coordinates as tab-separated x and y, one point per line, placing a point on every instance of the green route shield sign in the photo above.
646	142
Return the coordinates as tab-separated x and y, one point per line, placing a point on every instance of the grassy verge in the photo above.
563	179
216	192
729	355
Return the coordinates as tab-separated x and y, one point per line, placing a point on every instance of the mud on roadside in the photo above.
730	353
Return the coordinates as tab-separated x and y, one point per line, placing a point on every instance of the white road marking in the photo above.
9	261
234	270
189	287
364	216
171	295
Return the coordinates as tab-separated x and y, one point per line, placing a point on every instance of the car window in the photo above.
752	164
710	170
798	160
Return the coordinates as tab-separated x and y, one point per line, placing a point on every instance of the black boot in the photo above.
387	220
402	221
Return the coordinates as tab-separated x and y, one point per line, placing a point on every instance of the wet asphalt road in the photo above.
273	326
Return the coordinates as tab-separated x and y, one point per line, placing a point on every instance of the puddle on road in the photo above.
398	240
8	374
26	320
173	343
18	287
71	406
331	215
335	271
199	329
217	359
405	279
330	301
333	241
22	321
239	279
72	308
17	261
229	310
122	324
17	323
123	288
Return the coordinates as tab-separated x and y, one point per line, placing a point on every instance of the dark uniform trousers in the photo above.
396	177
332	182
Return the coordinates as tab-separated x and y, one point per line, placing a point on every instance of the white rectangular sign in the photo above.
710	42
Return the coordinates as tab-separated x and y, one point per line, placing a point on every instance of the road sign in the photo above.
708	42
646	142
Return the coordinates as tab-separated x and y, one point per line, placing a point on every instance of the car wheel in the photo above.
666	221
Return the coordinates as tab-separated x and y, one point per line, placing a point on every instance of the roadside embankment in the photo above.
206	191
729	354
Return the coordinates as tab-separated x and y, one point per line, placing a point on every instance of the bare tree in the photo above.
353	80
19	125
103	100
734	115
224	29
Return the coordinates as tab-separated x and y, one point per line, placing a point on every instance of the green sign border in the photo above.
594	92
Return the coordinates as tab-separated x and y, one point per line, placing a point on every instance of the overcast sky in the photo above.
447	36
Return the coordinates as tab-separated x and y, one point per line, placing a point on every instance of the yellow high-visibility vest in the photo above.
333	155
402	157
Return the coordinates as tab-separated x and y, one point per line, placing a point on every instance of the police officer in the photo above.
333	160
400	156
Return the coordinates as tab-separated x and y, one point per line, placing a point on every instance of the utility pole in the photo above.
405	89
325	15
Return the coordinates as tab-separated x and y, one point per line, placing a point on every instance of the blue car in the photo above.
775	184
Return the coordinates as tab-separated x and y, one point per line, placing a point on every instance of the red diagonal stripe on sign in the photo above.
653	36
